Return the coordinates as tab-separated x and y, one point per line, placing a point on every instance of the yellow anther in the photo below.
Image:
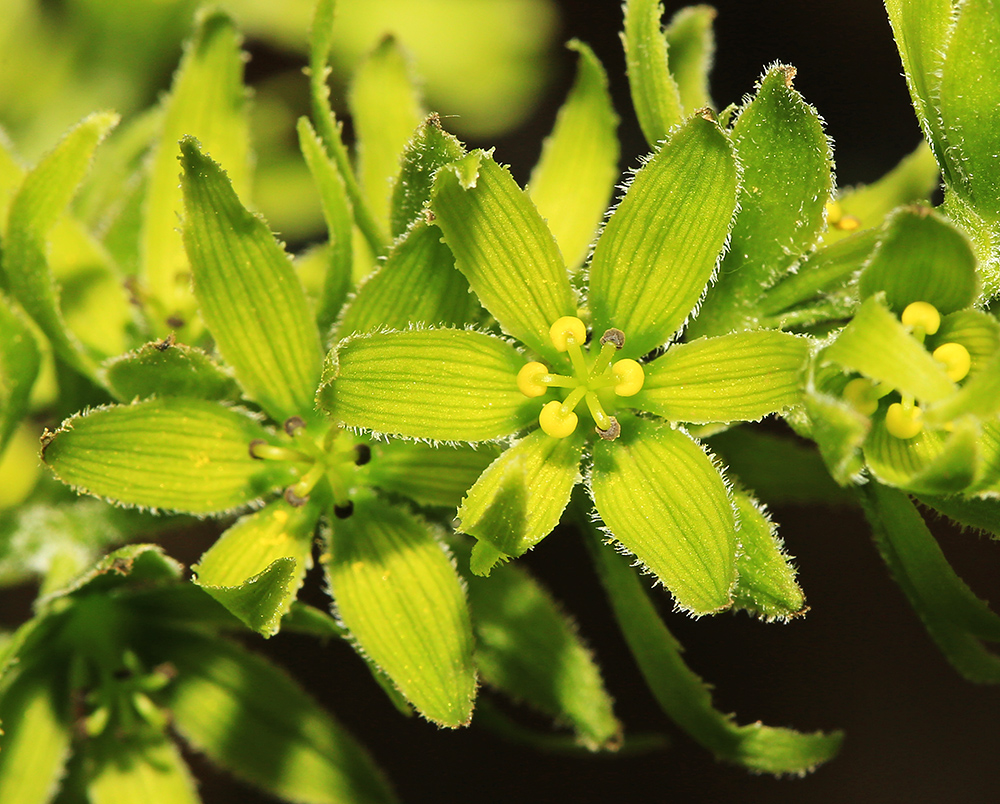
630	377
862	395
530	379
848	223
566	328
834	212
956	360
903	422
555	422
921	317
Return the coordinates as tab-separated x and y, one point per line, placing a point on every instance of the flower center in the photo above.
332	455
622	378
904	419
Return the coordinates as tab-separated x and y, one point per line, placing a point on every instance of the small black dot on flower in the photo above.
362	454
615	336
343	511
294	424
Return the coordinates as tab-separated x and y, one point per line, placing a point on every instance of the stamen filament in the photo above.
261	450
569	403
601	419
560	381
576	357
306	483
608	350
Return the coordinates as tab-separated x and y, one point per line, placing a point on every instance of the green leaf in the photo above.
521	496
877	345
257	566
19	363
142	565
766	585
573	180
321	34
822	273
250	297
922	29
782	470
663	499
528	648
448	385
967	102
739	377
921	256
690	50
174	454
207	101
339	225
166	368
685	698
655	94
786	183
429	149
980	514
36	738
399	595
661	246
434	476
43	196
932	462
417	283
954	617
385	109
288	745
504	248
147	770
839	430
912	180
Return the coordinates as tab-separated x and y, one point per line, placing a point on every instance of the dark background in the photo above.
860	661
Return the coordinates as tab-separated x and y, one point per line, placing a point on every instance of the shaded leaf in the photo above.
655	94
417	283
19	364
257	566
400	597
955	618
663	499
766	584
170	453
147	770
528	648
435	476
165	368
921	256
690	50
573	179
207	101
661	245
339	225
250	297
520	498
738	377
504	248
287	744
785	185
685	698
385	109
449	385
43	196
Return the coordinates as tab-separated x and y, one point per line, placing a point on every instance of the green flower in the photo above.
908	390
660	494
92	687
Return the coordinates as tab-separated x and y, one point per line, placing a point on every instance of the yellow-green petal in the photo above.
663	499
743	376
398	593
